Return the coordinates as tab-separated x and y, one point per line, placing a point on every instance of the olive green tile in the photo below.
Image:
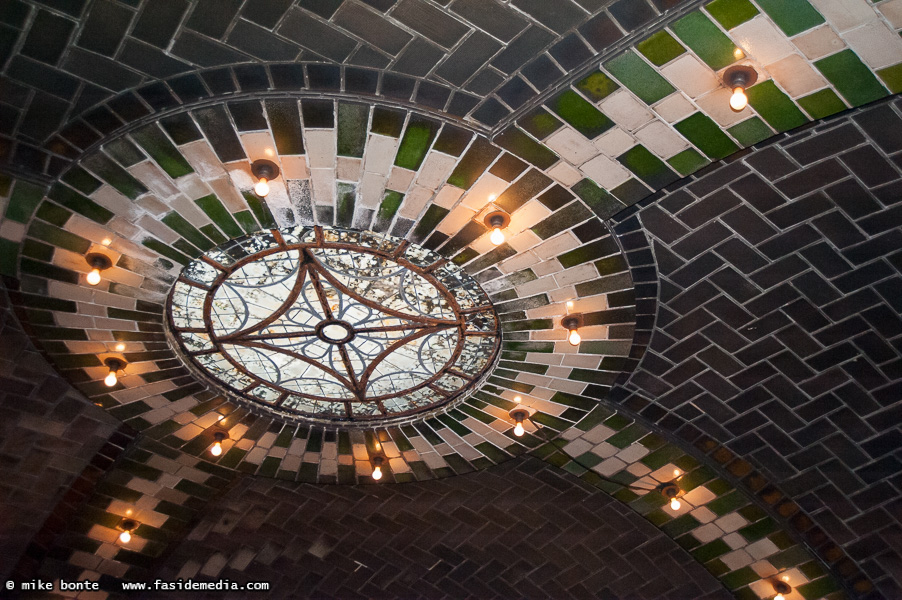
415	144
345	200
36	250
58	237
710	551
81	180
706	39
706	135
630	191
114	175
433	216
775	107
892	77
352	126
640	77
474	162
822	104
576	111
181	226
83	205
851	77
24	199
597	86
751	131
246	219
52	213
285	123
219	214
648	167
390	204
158	146
739	578
517	142
660	48
730	13
818	588
452	140
688	161
164	249
792	16
540	123
124	152
387	121
758	530
260	209
9	251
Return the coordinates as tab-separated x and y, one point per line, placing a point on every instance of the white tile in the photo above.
347	169
717	106
698	496
371	188
735	541
448	196
605	450
294	167
845	14
761	40
661	139
484	191
609	467
259	145
564	173
674	107
819	42
731	522
598	434
615	142
577	447
323	186
399	179
762	549
632	453
605	172
690	76
571	145
625	110
875	44
737	559
892	10
380	153
796	76
707	533
435	169
320	145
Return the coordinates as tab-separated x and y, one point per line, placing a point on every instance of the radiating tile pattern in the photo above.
778	328
521	529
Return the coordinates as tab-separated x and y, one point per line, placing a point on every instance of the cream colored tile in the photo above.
399	179
717	106
371	189
484	191
323	181
795	76
414	202
819	42
229	194
448	196
875	44
258	145
202	158
564	173
571	145
674	107
435	169
625	110
615	142
380	153
605	172
661	139
845	14
11	230
737	559
761	40
154	179
689	75
892	10
456	219
348	169
707	533
320	146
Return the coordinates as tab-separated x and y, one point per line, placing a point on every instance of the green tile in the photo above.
124	152
792	16
517	142
851	77
247	221
688	161
387	121
756	531
709	42
52	213
710	551
818	588
775	107
477	158
727	503
648	167
540	123
81	180
352	125
83	205
181	226
822	104
155	142
640	77
115	175
731	13
260	209
751	131
433	216
345	194
166	250
285	123
584	117
630	191
58	237
680	525
660	48
9	251
601	202
220	215
390	204
739	578
597	86
706	135
24	199
892	77
416	141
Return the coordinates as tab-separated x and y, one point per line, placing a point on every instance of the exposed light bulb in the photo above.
738	100
497	236
675	504
93	277
125	537
377	473
111	379
779	597
120	347
574	338
216	450
262	187
106	241
518	429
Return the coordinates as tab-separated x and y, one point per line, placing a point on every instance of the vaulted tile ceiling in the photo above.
738	274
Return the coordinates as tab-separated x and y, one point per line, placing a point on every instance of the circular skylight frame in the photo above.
465	314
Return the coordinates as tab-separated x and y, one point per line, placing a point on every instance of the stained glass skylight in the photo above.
333	324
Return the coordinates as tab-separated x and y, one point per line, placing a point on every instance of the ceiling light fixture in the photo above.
127	526
216	448
671	491
265	171
114	365
496	221
377	467
98	262
519	415
739	78
572	323
781	588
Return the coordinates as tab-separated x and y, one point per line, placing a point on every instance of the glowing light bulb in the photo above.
262	187
125	537
93	277
574	338
377	473
676	472
216	450
497	236
675	504
120	347
779	597
111	379
518	429
106	241
738	100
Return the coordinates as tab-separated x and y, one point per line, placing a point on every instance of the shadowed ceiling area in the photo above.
736	273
